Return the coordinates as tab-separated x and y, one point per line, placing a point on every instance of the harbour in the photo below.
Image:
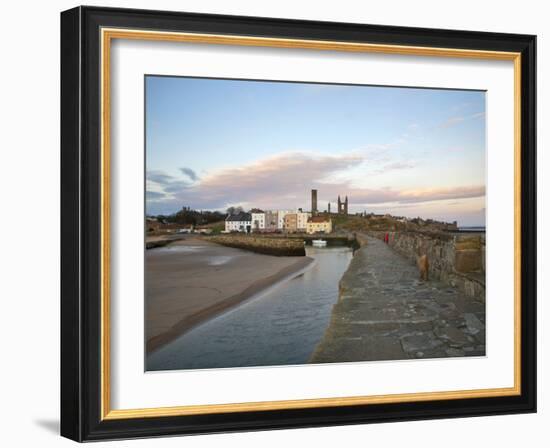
280	326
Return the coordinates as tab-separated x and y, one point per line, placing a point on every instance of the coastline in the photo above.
253	277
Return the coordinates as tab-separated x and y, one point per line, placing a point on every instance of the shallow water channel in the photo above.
279	326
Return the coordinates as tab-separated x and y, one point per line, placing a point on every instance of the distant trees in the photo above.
187	216
234	210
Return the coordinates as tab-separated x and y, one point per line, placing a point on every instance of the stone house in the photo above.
270	220
290	222
281	218
319	224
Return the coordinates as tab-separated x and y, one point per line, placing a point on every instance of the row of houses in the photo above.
290	221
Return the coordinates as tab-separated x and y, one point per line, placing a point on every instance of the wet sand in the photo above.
192	280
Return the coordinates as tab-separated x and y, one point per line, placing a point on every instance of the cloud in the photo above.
460	119
466	211
435	194
398	165
159	177
189	173
285	181
163	187
451	122
152	195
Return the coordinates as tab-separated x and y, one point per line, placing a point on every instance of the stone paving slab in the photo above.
385	312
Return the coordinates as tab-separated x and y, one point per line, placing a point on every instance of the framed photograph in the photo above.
273	223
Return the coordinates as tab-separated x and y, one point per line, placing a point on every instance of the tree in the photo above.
234	210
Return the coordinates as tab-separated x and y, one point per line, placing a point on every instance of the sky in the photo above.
214	143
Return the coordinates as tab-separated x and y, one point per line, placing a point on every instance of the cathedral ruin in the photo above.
342	206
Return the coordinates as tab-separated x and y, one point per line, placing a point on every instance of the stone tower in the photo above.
346	206
313	201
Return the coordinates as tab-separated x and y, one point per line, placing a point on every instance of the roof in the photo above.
318	219
256	210
242	216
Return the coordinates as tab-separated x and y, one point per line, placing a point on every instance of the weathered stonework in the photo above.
454	258
269	246
385	312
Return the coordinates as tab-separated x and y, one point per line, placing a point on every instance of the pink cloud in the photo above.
285	181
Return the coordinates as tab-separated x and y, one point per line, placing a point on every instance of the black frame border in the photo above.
81	223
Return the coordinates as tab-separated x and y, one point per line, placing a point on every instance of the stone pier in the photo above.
456	259
385	312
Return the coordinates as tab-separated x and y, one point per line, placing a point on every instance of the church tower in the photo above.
346	206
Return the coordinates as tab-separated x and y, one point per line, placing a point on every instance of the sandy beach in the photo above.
192	280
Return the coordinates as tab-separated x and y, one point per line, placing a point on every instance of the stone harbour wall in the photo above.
385	312
268	246
361	239
457	259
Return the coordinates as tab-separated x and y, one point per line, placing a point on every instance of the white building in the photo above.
258	220
241	222
302	220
